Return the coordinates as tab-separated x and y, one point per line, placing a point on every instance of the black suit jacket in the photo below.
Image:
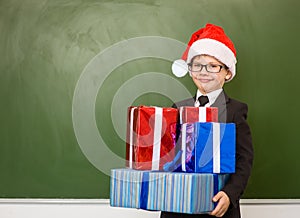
230	111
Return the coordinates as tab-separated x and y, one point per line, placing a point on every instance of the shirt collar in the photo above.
212	96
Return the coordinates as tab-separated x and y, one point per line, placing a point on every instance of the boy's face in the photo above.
206	81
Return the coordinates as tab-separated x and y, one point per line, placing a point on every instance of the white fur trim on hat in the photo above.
216	49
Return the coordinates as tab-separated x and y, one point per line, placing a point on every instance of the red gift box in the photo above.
151	137
198	114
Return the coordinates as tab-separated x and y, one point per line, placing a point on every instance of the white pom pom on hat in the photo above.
179	68
210	40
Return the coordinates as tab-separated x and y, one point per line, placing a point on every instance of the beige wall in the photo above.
46	208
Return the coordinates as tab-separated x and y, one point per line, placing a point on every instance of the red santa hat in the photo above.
210	40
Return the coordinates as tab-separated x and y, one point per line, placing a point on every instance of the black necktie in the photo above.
203	99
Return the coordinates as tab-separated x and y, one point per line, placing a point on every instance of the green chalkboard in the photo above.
70	68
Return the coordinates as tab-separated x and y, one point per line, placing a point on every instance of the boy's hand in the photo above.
223	204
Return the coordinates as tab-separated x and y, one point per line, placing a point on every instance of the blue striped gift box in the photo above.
165	191
125	186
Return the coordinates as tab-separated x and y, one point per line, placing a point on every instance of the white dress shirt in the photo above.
212	96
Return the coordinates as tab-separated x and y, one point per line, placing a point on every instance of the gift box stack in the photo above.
177	159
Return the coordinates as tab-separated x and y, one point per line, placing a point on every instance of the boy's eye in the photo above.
196	65
213	65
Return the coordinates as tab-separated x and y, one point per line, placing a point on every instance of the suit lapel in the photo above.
220	103
191	101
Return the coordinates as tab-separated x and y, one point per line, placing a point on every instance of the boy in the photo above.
210	59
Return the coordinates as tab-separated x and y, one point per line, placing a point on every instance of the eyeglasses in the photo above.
210	68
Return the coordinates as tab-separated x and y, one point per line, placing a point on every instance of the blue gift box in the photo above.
165	191
205	147
215	147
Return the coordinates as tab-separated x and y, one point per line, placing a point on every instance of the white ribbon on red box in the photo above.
157	138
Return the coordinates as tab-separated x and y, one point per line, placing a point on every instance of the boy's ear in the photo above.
228	75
